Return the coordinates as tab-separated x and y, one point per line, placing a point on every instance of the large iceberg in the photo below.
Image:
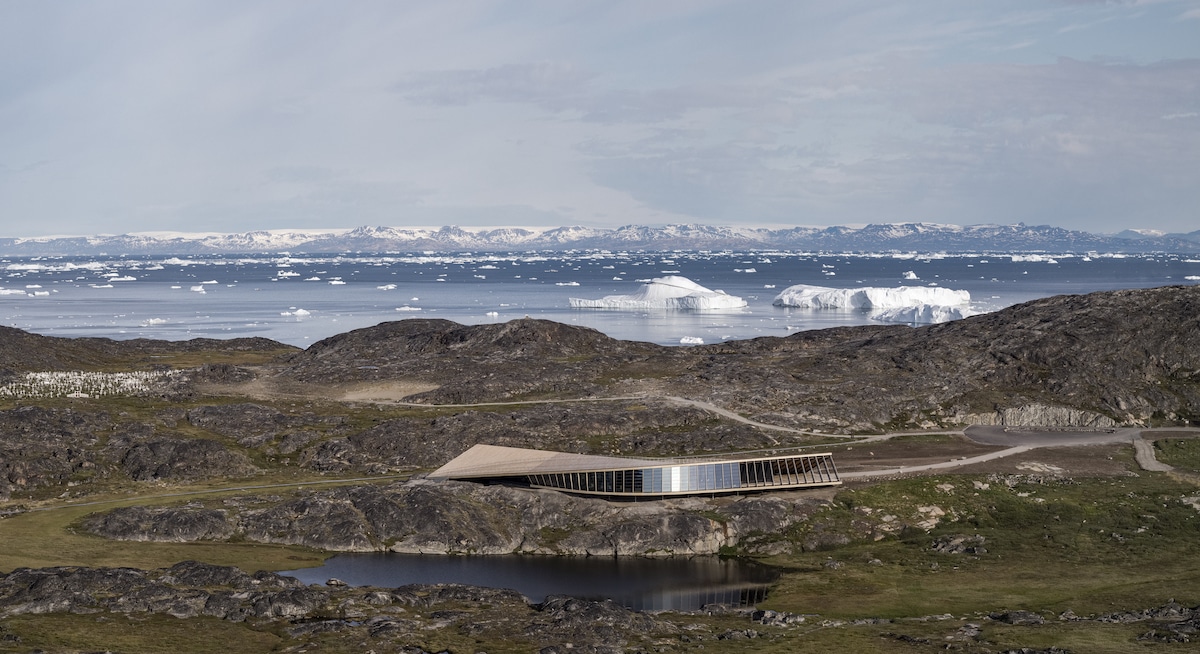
911	304
672	292
925	314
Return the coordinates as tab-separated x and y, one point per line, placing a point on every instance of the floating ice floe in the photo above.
908	274
911	304
566	283
1193	278
406	308
299	313
691	340
154	321
671	292
386	287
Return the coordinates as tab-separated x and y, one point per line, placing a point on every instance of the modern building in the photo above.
633	477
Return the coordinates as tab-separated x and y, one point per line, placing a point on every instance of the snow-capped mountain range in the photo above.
904	237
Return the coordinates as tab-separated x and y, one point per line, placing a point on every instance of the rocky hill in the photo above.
21	351
1128	356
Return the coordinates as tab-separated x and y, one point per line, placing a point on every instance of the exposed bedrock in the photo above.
1041	415
457	517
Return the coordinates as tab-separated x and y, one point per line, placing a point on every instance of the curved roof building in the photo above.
628	477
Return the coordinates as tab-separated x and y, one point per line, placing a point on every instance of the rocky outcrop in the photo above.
179	525
459	517
355	615
184	460
1041	415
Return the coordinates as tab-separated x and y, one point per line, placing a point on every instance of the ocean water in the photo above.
300	299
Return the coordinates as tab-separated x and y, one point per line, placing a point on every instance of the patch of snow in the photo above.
672	292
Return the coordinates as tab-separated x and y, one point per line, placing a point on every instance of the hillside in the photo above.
1124	356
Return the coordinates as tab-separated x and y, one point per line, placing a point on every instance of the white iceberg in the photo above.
672	292
911	304
925	314
901	297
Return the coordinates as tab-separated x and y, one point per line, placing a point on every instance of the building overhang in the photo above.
631	477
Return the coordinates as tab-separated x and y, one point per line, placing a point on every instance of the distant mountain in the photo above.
904	237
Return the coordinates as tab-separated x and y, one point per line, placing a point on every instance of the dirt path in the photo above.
1143	451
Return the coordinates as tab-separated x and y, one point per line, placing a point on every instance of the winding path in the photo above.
1014	440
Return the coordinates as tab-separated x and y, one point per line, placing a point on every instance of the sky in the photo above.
237	115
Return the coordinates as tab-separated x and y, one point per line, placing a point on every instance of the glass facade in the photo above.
725	476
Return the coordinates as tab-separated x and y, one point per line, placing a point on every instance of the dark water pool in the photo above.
638	583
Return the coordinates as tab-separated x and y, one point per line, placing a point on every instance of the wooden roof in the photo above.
498	461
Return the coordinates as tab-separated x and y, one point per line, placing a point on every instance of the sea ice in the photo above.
908	274
672	292
691	340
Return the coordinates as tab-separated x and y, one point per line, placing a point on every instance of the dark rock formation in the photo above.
44	447
184	460
162	525
447	517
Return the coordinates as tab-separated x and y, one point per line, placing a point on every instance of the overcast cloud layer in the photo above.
233	115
